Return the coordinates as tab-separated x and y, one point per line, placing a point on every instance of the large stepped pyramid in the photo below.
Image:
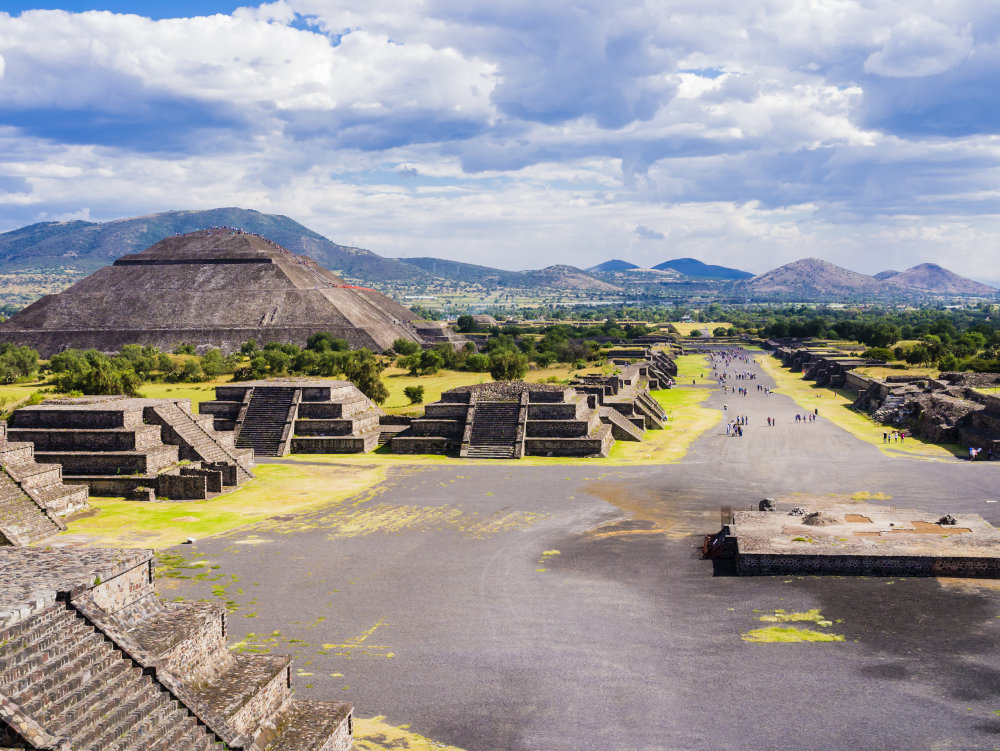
32	495
121	446
92	660
296	415
212	288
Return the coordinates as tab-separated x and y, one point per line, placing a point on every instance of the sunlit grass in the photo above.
277	489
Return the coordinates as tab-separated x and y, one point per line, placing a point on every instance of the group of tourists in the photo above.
735	428
806	417
974	455
895	436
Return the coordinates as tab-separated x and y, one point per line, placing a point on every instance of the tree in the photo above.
720	331
364	371
414	393
212	363
477	362
466	324
508	365
405	346
324	341
430	361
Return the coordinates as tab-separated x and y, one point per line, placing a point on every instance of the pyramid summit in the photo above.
216	287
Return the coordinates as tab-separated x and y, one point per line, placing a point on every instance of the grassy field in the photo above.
397	379
835	405
883	372
279	489
692	368
685	329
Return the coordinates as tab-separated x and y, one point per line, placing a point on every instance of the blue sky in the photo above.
521	133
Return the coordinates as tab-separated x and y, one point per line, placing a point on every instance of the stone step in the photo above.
34	474
251	689
310	725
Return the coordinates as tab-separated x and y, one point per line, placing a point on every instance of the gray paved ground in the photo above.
627	640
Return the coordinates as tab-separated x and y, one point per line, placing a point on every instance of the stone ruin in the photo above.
855	540
659	366
626	395
133	447
92	660
33	498
299	416
212	288
508	420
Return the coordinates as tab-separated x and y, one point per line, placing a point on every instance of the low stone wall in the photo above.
182	487
124	589
334	444
866	565
554	410
856	382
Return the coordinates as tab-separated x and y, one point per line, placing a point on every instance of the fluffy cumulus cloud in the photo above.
523	133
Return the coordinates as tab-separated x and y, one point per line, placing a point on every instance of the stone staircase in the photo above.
265	427
57	668
202	443
92	660
621	427
22	521
494	430
32	495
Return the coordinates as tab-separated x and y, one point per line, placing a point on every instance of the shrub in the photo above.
508	365
414	393
184	349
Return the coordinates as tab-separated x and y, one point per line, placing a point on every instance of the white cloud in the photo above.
920	46
522	133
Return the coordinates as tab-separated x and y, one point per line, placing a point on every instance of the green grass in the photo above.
397	379
788	635
835	406
278	489
693	367
196	392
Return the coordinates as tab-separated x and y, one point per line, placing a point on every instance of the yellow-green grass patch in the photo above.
376	734
685	329
835	406
397	379
196	392
278	489
881	372
693	367
788	635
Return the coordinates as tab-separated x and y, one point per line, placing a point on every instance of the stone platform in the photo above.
508	420
91	659
857	539
117	445
296	415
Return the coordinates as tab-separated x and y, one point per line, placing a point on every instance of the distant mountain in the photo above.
812	279
615	265
937	280
695	268
883	275
86	246
552	277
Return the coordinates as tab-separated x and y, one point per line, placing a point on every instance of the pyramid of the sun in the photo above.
217	287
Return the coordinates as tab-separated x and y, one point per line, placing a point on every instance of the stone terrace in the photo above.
91	659
296	415
119	446
508	420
